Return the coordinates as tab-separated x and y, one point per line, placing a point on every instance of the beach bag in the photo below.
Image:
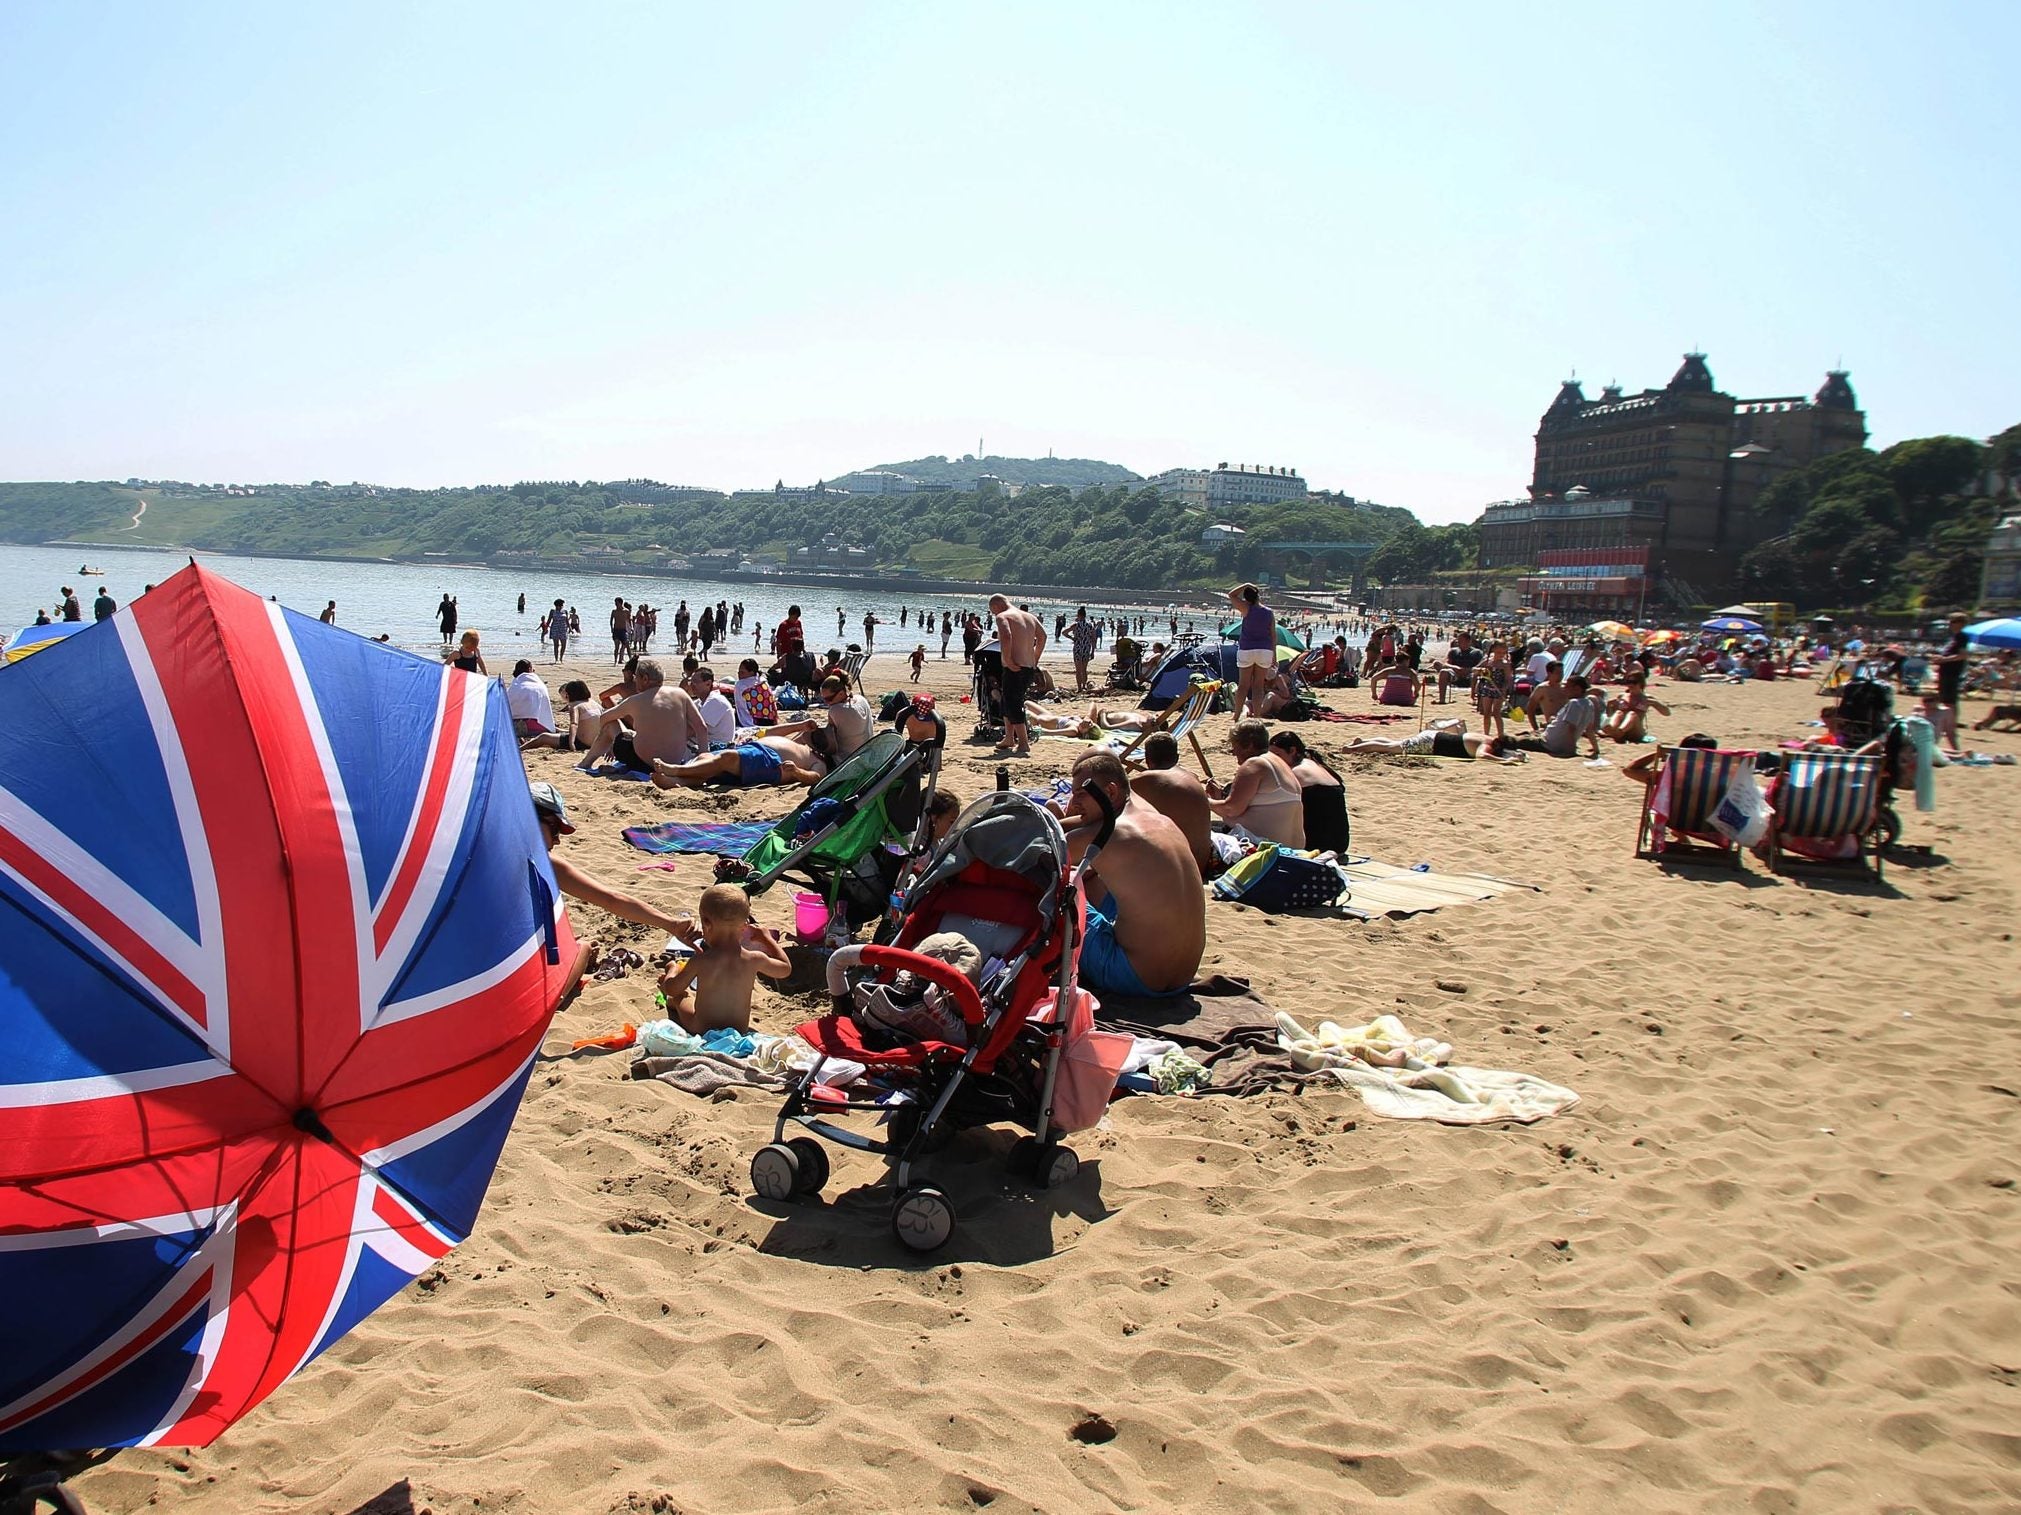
1276	878
1090	1063
760	703
1742	816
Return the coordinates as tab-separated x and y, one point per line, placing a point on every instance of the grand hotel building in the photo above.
1671	475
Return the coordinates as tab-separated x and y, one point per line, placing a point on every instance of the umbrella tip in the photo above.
310	1123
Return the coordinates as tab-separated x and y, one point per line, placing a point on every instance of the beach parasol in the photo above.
278	943
1656	638
2004	632
1613	631
1286	637
1729	623
32	639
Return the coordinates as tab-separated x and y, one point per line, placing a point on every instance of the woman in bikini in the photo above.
1628	716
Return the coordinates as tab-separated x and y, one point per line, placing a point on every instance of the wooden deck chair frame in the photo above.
1866	828
1180	718
1689	849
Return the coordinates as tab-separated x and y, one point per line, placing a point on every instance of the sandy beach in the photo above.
1766	1263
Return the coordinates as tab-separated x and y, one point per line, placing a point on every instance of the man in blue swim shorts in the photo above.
762	761
1147	913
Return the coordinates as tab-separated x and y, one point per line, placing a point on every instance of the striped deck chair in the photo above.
1825	797
1181	719
1690	783
852	665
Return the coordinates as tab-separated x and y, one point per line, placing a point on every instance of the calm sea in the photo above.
400	599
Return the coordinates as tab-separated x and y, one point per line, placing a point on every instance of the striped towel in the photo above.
723	838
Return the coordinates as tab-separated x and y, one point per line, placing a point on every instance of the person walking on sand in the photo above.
1085	635
1022	640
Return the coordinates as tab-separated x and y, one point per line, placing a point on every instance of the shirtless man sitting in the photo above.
660	722
1549	697
1147	914
1178	796
1022	639
763	760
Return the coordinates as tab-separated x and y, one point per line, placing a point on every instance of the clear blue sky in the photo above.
448	243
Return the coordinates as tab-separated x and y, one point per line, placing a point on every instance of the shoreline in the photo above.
884	582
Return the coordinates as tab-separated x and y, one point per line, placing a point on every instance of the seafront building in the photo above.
1672	474
1221	486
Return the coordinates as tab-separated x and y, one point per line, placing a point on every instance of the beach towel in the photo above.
724	838
1357	718
703	1074
1378	889
1406	1077
1224	1026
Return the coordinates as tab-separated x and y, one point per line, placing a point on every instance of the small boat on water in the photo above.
87	571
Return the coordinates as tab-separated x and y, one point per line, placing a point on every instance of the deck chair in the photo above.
852	666
1826	797
1833	675
1690	783
1181	719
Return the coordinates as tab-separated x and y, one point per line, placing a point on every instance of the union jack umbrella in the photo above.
278	943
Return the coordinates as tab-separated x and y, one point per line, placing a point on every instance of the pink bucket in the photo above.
810	917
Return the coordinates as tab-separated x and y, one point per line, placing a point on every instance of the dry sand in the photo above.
1767	1264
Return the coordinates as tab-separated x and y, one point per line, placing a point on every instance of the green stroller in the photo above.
850	839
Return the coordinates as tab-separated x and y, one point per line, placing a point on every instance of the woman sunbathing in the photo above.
1443	741
1095	722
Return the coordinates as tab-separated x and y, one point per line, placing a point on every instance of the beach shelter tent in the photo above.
2004	632
1745	612
279	940
1186	662
30	640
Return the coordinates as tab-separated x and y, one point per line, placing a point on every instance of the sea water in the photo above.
400	599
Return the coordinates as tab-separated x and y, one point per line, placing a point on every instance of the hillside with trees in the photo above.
964	472
1897	529
1121	536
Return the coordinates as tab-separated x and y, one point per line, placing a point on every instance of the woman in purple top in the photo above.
1255	649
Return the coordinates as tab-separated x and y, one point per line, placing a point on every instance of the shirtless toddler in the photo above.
713	988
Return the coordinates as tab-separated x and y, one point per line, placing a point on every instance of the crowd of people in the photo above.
789	718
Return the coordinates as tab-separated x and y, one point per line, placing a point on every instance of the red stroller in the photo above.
946	1050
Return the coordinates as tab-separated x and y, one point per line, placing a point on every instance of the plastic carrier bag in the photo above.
1276	878
1742	816
1090	1063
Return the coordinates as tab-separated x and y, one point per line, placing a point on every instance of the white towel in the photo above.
1403	1077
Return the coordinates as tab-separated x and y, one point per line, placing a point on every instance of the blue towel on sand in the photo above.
723	838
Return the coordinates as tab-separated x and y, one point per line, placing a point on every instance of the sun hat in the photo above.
547	801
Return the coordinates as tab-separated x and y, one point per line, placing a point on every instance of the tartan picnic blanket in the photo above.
724	838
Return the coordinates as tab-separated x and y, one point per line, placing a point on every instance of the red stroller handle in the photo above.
967	998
